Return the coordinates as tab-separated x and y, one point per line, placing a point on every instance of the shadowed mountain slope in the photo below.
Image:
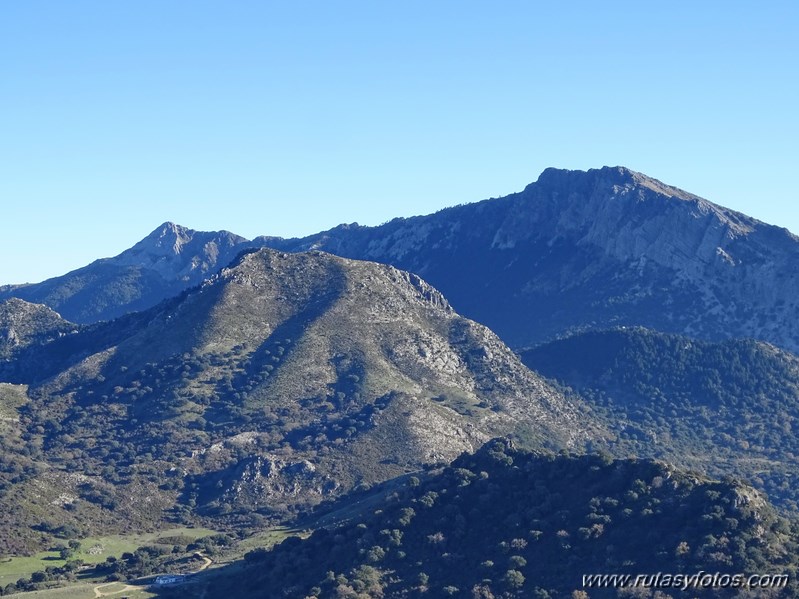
726	408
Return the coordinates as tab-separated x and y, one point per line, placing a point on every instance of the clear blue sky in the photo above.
285	118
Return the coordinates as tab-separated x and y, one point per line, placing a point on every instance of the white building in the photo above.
170	579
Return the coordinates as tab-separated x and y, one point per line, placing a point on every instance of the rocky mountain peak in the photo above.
602	247
627	215
579	248
263	267
173	251
610	180
161	265
169	236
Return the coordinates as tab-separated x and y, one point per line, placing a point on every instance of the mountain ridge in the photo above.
596	249
165	262
572	251
725	408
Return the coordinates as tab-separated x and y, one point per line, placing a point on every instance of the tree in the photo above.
513	579
39	577
682	549
375	554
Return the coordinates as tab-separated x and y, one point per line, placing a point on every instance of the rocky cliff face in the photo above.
579	250
178	253
626	214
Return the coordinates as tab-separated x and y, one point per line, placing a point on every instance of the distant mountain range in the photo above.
574	251
589	250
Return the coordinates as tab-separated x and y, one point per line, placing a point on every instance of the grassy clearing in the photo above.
20	567
84	591
93	550
14	568
266	538
96	549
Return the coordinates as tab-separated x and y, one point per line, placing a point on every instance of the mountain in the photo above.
575	250
280	381
726	408
24	324
584	250
170	259
507	523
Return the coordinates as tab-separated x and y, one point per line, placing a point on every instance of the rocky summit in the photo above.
588	250
167	261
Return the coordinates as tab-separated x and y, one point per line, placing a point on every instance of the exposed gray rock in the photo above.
163	264
580	250
23	324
